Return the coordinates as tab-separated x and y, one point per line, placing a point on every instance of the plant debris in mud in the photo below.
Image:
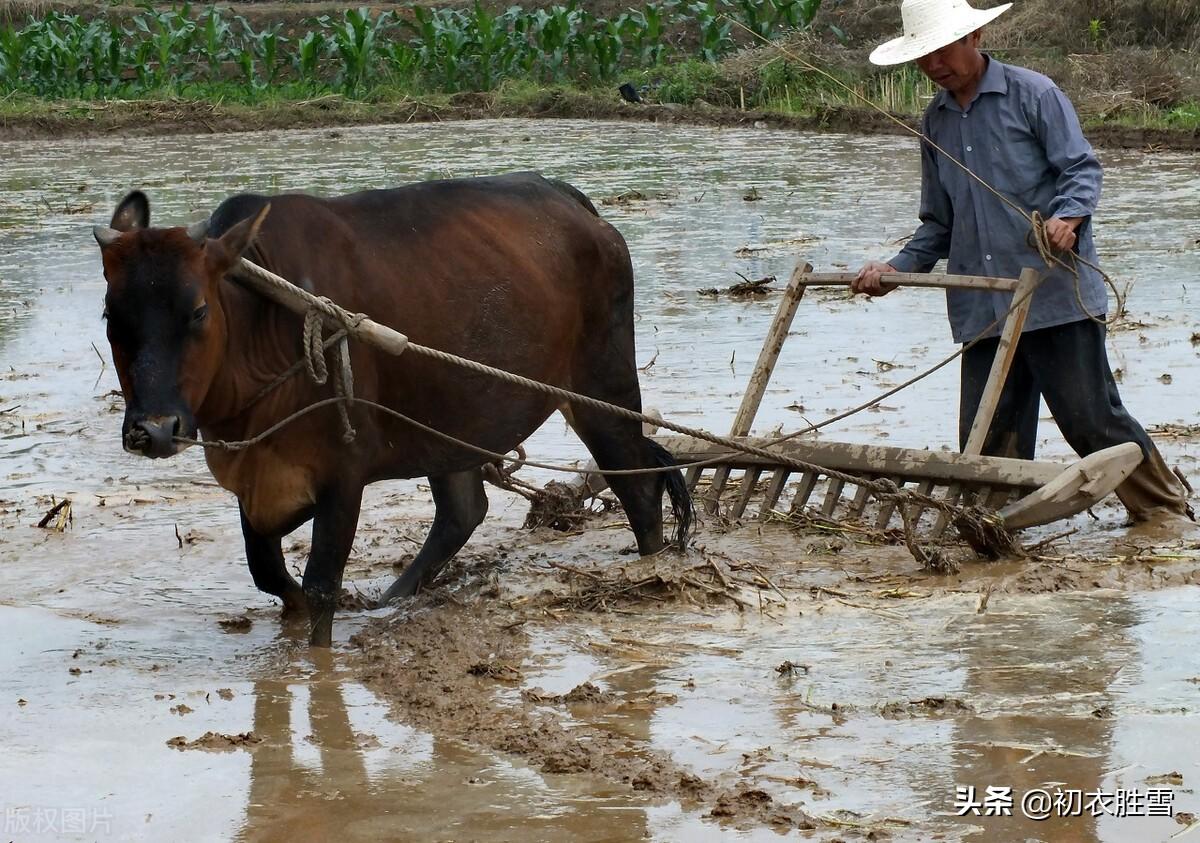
745	289
654	579
562	507
57	517
631	197
495	670
216	742
790	668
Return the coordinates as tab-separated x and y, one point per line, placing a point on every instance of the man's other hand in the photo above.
868	279
1060	231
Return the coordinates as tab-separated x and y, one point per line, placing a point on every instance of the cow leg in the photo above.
618	444
335	520
264	555
460	505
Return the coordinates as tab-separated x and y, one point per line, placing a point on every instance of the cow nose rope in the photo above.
314	357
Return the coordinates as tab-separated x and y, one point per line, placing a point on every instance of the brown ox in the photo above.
515	271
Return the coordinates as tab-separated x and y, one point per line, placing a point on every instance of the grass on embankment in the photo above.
734	92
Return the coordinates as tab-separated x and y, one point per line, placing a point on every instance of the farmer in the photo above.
1019	133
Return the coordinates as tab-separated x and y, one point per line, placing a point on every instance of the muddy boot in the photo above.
1153	491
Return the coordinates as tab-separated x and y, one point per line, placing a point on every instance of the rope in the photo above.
314	359
883	489
1044	247
973	523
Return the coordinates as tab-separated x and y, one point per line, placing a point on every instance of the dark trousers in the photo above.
1068	366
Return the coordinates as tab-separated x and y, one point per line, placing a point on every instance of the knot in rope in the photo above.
314	356
1041	240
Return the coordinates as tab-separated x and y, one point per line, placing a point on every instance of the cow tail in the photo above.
677	490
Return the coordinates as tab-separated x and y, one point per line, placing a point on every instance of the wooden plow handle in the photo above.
915	279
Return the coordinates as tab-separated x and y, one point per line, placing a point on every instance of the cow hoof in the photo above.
294	606
403	587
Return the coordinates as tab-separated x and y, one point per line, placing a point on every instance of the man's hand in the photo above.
868	279
1060	231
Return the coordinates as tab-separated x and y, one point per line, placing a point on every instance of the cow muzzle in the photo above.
154	436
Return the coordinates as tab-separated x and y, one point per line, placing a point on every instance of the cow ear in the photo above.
226	250
133	212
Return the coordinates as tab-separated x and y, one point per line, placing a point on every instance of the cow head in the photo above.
165	322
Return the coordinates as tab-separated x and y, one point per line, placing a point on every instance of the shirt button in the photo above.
968	149
988	257
964	116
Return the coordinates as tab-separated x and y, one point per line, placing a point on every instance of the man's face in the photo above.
955	66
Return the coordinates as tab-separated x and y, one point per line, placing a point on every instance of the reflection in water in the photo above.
290	801
1060	664
389	782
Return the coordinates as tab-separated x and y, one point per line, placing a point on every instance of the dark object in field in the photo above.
744	289
629	93
517	272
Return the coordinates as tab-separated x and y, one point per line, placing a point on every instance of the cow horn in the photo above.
198	231
104	235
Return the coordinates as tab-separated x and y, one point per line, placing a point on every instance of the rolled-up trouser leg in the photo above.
1070	365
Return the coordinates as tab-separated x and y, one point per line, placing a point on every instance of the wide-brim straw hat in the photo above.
930	25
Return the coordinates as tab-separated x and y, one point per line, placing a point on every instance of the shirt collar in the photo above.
993	81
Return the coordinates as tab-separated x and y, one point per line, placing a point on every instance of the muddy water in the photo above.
116	621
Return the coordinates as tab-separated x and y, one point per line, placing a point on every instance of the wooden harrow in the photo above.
1024	493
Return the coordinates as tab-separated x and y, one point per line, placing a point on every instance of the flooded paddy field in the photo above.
833	691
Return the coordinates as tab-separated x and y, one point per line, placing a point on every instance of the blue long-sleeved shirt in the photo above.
1021	135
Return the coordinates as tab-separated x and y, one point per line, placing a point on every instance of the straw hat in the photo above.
930	25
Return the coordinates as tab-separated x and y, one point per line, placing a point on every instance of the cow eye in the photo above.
199	314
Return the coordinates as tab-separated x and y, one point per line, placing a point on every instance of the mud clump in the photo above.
239	625
585	694
926	706
752	803
216	742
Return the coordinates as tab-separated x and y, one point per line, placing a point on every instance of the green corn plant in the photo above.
525	52
646	29
310	49
715	40
57	51
555	35
264	47
142	56
105	56
170	35
213	39
805	13
604	47
451	50
354	38
757	16
403	61
12	56
492	44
